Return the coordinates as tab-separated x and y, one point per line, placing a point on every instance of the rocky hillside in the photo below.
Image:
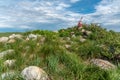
89	53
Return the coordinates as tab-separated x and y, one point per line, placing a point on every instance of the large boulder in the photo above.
34	73
4	53
4	39
103	64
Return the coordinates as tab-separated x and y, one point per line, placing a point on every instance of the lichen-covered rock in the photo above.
103	64
9	63
4	53
4	39
34	73
7	75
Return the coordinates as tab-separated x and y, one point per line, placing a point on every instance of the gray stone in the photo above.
67	46
34	73
4	39
4	53
82	40
32	36
7	75
103	64
9	63
11	41
13	36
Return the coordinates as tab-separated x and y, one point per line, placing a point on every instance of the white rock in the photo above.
88	32
4	53
13	36
55	31
73	36
9	63
4	39
82	39
68	38
103	64
27	39
34	73
83	30
7	75
42	39
19	36
67	46
11	41
32	36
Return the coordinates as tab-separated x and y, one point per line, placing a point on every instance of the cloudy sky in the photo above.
23	15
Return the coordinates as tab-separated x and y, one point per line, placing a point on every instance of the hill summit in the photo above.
89	53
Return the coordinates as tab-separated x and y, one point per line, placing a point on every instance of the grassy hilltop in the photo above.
66	54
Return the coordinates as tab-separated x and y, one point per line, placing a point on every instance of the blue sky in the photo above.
23	15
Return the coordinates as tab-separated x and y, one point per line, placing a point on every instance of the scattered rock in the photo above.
83	30
55	31
82	39
4	39
32	36
34	73
67	46
103	64
9	63
11	41
13	36
4	53
7	75
88	32
27	39
73	36
42	40
66	38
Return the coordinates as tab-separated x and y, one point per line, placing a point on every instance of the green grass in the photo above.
61	63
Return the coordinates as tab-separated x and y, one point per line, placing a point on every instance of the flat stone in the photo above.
103	64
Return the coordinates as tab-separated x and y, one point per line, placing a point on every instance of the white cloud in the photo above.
55	12
74	1
107	13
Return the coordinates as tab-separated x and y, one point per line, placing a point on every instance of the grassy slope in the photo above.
65	64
